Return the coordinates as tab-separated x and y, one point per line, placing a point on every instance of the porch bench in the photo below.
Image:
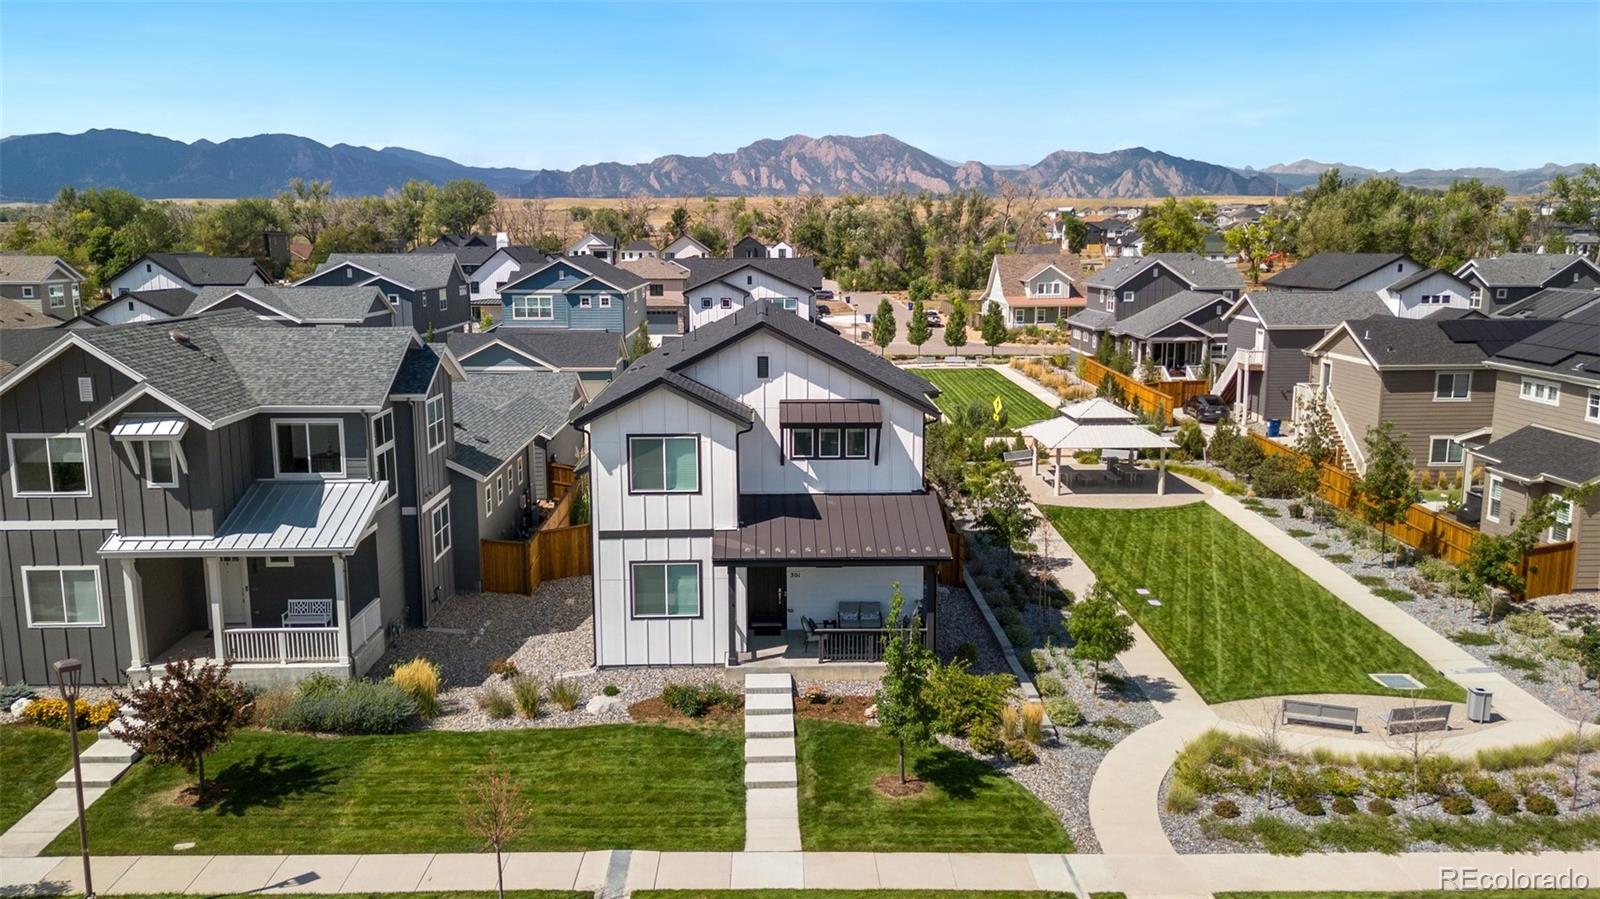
1410	720
309	613
1321	713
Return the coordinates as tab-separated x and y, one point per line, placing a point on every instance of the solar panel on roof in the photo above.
1544	355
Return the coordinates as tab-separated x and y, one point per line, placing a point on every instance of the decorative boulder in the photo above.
872	712
599	705
21	705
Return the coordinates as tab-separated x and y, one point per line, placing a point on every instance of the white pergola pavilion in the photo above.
1095	424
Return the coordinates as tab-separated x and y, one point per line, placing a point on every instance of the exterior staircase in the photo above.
771	780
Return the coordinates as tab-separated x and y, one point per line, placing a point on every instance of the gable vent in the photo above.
86	390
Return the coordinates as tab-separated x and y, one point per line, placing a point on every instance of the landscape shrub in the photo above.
1343	805
1063	711
1392	594
984	738
1225	808
1008	617
529	695
693	701
52	712
355	707
1020	636
419	679
1389	786
1457	804
1474	638
1021	752
1340	558
10	693
1041	660
1540	804
1339	782
611	690
1032	720
964	701
1383	808
505	669
1533	625
1310	806
320	684
1298	510
1299	532
1480	785
267	706
966	654
1276	477
495	703
565	693
1501	802
1369	580
1515	662
1182	798
1049	686
719	694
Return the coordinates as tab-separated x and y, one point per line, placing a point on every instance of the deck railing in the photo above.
281	645
852	644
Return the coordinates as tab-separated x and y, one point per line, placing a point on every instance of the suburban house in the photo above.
1268	334
1345	271
1034	288
220	486
505	426
638	249
780	250
1425	293
491	276
664	280
471	250
749	247
594	243
574	293
1428	376
186	271
594	356
1546	435
716	288
1552	303
427	290
137	306
20	315
351	306
1181	333
1215	249
46	284
1499	281
757	489
685	247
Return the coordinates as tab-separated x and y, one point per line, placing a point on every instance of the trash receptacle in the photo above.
1274	427
1479	701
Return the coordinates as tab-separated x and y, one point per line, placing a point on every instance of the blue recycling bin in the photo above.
1274	427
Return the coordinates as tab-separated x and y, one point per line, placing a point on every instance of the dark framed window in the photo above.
803	443
763	367
855	443
667	464
828	443
666	589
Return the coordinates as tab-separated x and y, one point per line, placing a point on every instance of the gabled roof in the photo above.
202	270
465	240
469	254
1309	308
20	315
566	350
1015	270
1552	302
801	271
414	271
663	367
1331	271
1533	453
1163	315
607	239
1432	342
416	371
1521	269
684	237
32	269
1424	274
1198	271
640	245
1569	348
654	268
618	278
1093	319
303	305
172	301
498	414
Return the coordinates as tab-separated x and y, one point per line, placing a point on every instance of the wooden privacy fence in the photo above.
950	572
1166	395
1548	569
558	549
561	478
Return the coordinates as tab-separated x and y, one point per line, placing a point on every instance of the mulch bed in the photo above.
890	785
844	709
654	711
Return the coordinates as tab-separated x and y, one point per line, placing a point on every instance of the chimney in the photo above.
501	239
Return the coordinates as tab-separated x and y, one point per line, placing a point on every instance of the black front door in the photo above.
766	607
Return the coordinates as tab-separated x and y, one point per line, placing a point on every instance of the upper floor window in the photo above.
1452	385
439	525
584	302
664	464
657	289
476	287
1547	392
1047	288
383	453
605	301
727	302
309	447
27	291
437	429
1497	489
705	303
763	367
790	304
62	595
526	306
1591	411
58	296
1561	528
855	443
49	465
444	299
1444	451
461	290
160	463
1127	296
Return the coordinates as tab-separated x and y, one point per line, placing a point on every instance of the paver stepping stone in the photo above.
773	749
768	704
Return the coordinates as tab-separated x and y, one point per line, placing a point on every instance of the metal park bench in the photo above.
1411	719
1323	713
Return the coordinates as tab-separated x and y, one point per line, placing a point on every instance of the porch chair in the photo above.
809	627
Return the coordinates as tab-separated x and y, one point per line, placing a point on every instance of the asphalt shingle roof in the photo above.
473	254
1163	315
1521	269
1331	271
1535	453
1093	319
173	301
1391	341
20	315
322	305
1015	269
19	267
562	349
418	271
416	371
202	270
1200	272
1314	308
497	414
599	268
801	271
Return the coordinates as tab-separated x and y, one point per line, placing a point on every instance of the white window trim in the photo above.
88	479
1591	408
584	302
488	497
1128	295
1489	510
605	301
148	482
1564	506
27	292
99	595
500	488
521	473
1447	463
378	449
838	448
278	562
528	307
866	443
434	530
1523	391
633	582
344	464
427	424
1453	375
810	453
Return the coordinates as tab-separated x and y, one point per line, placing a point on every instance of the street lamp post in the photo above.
69	674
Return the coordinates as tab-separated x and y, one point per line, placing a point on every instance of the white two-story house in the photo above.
716	288
757	485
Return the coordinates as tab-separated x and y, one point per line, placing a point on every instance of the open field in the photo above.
31	758
1237	620
603	787
960	388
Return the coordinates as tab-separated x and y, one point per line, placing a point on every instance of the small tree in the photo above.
1009	514
1388	487
1495	563
1589	653
184	716
494	811
993	324
955	327
1100	629
1270	723
918	331
904	711
430	336
1418	747
1314	441
485	321
640	346
883	326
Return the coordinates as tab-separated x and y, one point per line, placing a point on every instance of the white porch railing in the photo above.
1352	445
281	645
366	624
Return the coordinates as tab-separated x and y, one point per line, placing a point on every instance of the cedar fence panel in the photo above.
561	478
504	565
1551	568
1166	395
556	553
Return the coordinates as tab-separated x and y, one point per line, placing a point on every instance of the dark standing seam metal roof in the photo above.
173	301
202	270
1434	341
1533	453
801	413
1331	271
1552	302
876	529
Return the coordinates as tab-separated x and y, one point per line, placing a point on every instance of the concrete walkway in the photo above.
1044	394
772	794
617	872
103	764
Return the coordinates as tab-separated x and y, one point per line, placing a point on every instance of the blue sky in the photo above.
557	85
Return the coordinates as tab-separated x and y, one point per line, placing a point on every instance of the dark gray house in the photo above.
594	356
361	306
46	284
427	290
1131	286
1269	332
222	486
1346	271
1499	281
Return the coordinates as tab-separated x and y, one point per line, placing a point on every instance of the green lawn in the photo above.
967	806
1236	619
1425	894
960	388
606	787
861	894
31	758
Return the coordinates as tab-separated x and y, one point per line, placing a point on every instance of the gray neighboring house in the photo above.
1134	284
596	357
136	306
46	284
186	271
505	426
1553	302
219	486
427	290
1268	334
1345	271
1499	281
351	306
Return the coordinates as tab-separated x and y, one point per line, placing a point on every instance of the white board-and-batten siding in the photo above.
755	284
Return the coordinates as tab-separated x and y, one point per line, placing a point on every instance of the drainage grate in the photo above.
1397	681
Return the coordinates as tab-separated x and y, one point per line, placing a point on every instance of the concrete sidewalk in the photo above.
620	871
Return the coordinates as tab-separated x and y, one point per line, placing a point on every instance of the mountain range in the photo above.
36	166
